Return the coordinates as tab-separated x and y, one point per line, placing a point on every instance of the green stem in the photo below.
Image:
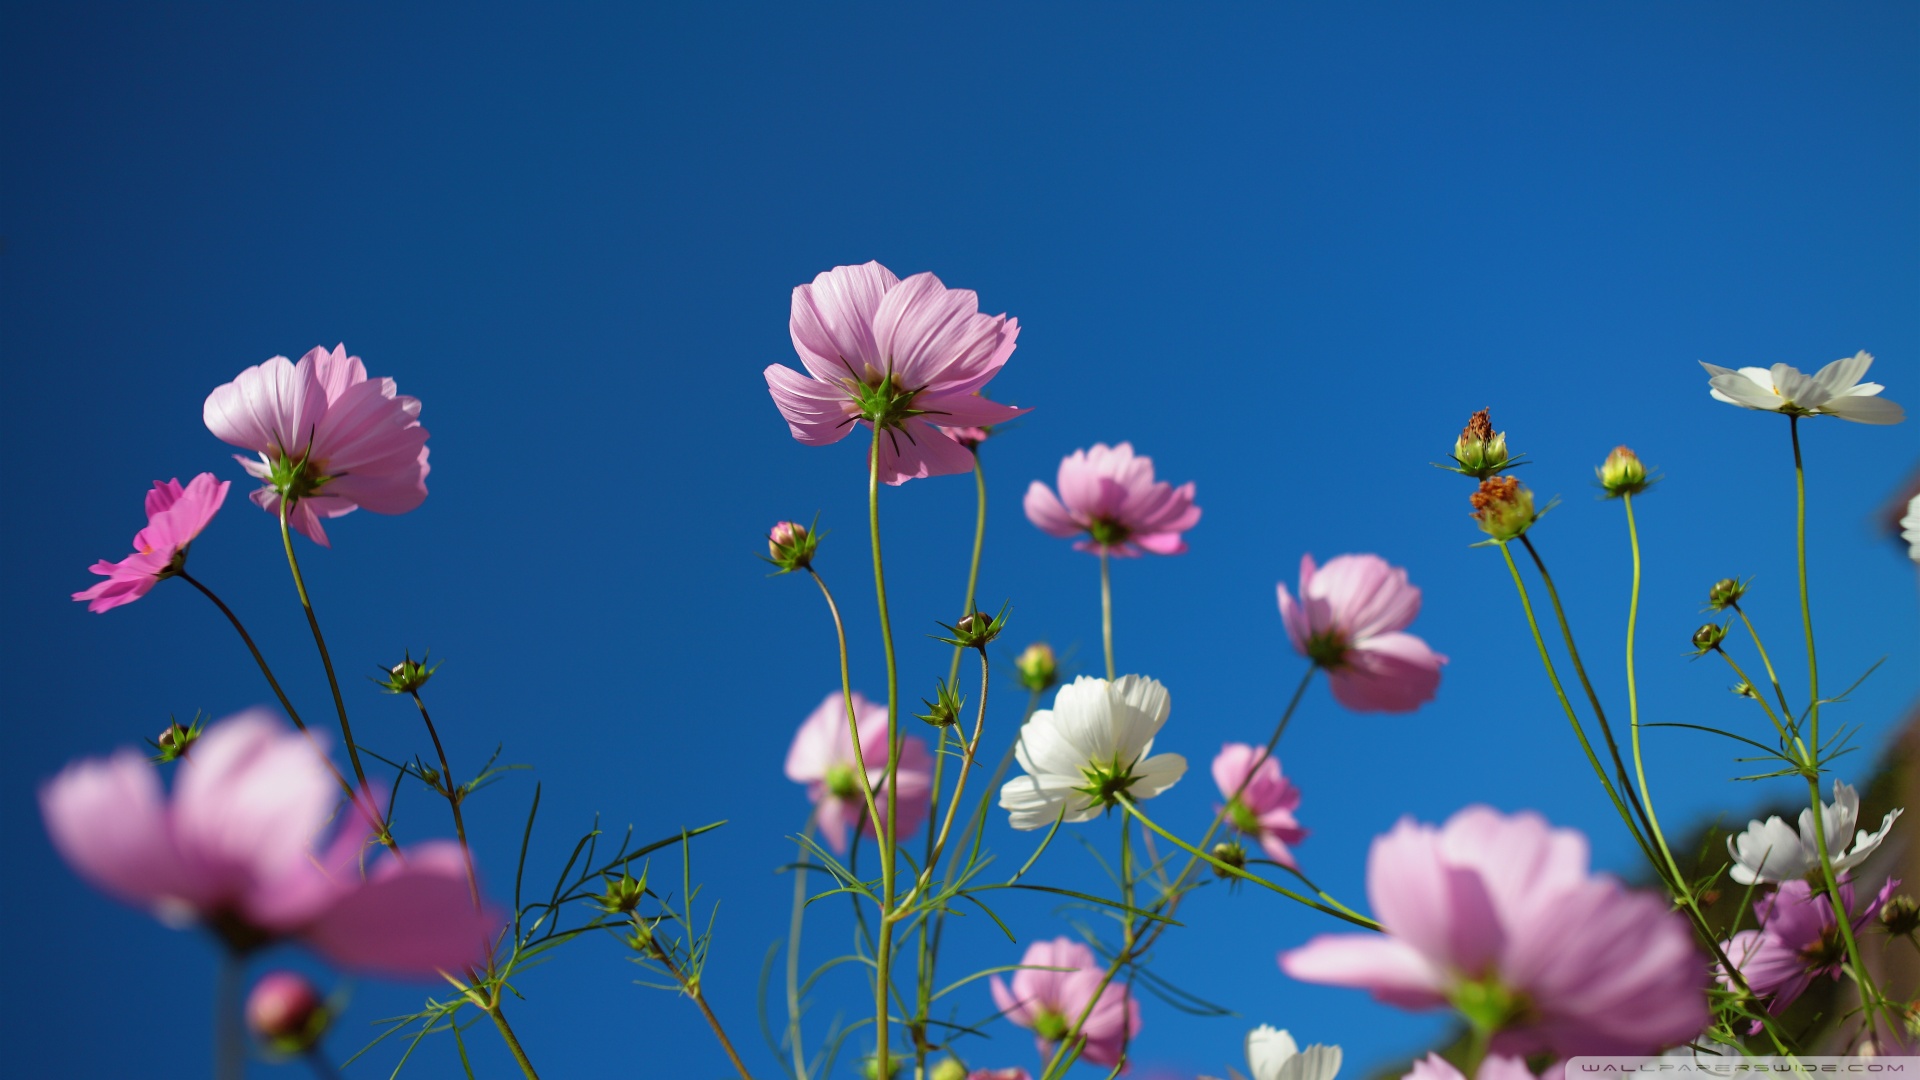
889	837
691	987
1633	712
326	659
1869	993
846	693
292	713
507	1036
229	1042
1806	604
973	567
1785	739
455	796
1106	611
795	924
1786	710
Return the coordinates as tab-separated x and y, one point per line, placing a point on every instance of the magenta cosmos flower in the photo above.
1109	494
999	1074
822	757
1495	1067
330	439
908	356
1350	619
238	850
175	515
1798	940
1048	1002
1264	807
1499	915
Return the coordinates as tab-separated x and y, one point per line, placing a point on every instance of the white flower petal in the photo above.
1840	376
1864	843
1156	774
1268	1049
1863	409
1314	1063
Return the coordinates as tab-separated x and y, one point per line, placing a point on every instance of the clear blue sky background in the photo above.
1284	250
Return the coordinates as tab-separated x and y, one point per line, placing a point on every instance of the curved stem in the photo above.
1806	604
229	1042
846	690
1106	611
292	713
889	837
507	1036
973	567
1633	712
1786	710
691	988
959	789
794	925
326	659
455	796
1785	739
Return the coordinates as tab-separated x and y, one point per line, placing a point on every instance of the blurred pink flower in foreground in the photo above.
236	849
822	757
1000	1074
1349	619
906	355
1048	1002
1264	808
175	515
1798	939
1495	1067
1498	915
1110	494
330	439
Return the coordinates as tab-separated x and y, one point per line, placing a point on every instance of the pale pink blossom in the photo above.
1000	1074
330	440
175	515
822	757
239	849
1495	1067
1503	908
1350	618
1109	494
910	356
1798	940
1264	807
1048	1002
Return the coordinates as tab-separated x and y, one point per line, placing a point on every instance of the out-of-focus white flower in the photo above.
1834	390
1089	749
1910	528
1272	1055
1772	851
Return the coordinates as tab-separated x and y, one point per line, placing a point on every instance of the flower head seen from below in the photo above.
1273	1055
1910	528
1503	508
1093	747
238	849
1058	980
1350	619
1264	806
1498	916
1798	940
175	515
1109	498
1480	451
330	440
1834	390
1771	851
1623	473
822	757
908	357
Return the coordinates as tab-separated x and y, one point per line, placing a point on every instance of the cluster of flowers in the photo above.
1496	916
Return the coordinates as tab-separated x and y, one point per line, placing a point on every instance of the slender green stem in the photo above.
973	567
455	796
1806	603
326	659
968	748
794	925
1870	999
507	1036
846	690
889	837
292	713
1785	739
229	1041
1633	710
691	987
1766	661
1106	611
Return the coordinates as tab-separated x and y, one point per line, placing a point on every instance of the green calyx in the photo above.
1050	1025
1242	816
842	781
1488	1005
885	403
1108	533
1106	782
293	478
623	894
1328	649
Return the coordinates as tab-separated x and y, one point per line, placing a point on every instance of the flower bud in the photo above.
1230	853
944	709
1480	452
174	742
1623	474
870	1067
1503	508
975	630
407	676
1708	638
1901	915
790	546
949	1069
622	894
286	1013
1037	667
1725	593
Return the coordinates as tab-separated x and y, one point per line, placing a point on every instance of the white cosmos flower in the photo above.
1835	390
1771	851
1272	1055
1910	528
1089	748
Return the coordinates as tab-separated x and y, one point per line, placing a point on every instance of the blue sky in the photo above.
1283	250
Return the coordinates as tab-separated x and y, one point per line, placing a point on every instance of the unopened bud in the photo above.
790	546
1503	507
975	630
1746	690
286	1013
407	676
870	1067
1480	452
1037	667
949	1069
622	894
1230	853
1901	915
1623	474
176	740
1708	637
1725	593
944	709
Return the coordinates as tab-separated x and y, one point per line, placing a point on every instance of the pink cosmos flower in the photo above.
822	757
1798	939
971	438
330	439
1349	619
1000	1074
1495	1067
238	849
1264	808
906	355
1110	494
175	515
285	1011
1048	1002
1503	908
